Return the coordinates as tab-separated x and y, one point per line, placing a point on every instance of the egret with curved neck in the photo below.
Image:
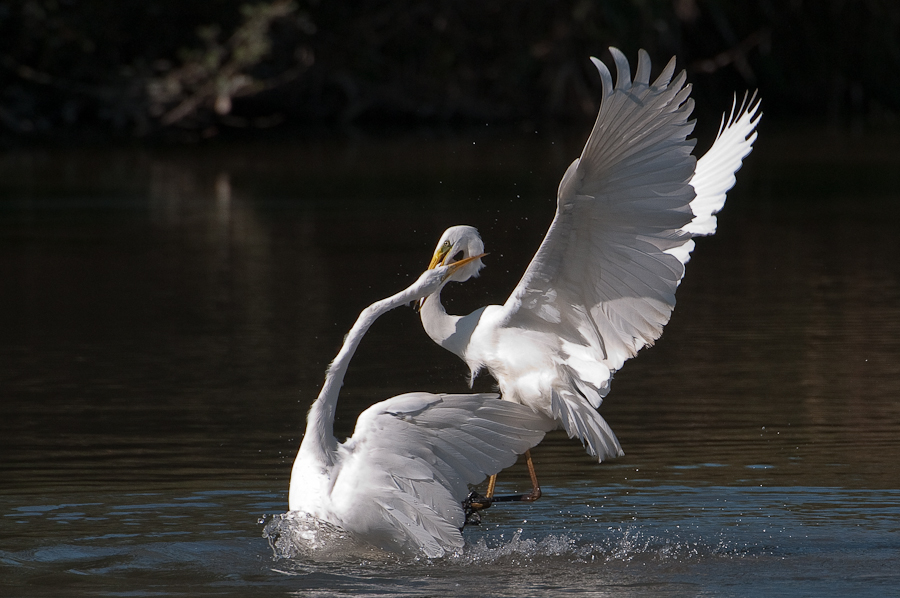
399	482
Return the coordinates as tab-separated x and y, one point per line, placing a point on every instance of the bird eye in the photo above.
446	246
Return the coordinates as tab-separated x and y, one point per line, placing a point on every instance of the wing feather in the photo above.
604	266
414	456
714	174
604	279
716	169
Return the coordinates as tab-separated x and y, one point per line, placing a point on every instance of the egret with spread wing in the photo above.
602	284
399	482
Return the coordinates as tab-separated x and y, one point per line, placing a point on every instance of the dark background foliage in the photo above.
148	67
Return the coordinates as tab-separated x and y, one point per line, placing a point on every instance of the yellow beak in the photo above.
437	260
440	255
456	265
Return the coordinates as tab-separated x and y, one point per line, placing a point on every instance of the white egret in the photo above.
399	482
602	284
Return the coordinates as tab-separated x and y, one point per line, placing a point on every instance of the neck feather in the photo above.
447	330
319	442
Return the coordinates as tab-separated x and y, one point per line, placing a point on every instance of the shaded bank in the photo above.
126	67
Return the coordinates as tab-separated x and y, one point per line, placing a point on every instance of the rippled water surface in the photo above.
167	316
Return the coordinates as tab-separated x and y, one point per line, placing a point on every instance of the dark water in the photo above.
167	316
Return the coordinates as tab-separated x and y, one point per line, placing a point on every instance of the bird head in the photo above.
433	279
461	249
459	243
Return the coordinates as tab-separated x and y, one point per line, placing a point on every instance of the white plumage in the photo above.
602	284
398	483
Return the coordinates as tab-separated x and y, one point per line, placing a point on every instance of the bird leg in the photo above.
535	487
492	482
530	497
476	502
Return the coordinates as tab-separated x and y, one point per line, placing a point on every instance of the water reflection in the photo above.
168	317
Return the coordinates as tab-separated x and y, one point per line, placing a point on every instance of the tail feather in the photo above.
580	419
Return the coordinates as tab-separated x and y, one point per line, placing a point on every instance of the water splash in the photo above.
295	535
623	545
303	538
516	550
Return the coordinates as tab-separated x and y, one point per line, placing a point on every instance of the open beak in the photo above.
438	260
439	256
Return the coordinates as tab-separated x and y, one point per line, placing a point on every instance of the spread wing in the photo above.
407	467
715	170
605	276
602	279
714	174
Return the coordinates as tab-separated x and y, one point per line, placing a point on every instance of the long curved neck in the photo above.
447	330
319	442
